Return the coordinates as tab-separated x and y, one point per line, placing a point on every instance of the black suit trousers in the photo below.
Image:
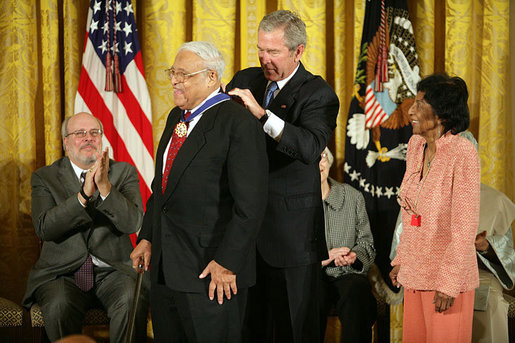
355	305
182	317
283	306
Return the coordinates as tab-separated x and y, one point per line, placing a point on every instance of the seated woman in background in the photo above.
350	246
439	199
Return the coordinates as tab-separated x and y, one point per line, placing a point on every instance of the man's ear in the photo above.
298	52
213	76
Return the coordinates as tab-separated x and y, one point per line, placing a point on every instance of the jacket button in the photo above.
164	210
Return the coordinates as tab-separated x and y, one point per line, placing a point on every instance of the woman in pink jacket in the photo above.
439	198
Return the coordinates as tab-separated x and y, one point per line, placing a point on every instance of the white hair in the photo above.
330	157
209	53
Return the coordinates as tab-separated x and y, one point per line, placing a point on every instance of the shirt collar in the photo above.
206	99
283	82
76	169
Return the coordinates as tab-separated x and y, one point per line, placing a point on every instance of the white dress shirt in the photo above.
94	259
274	125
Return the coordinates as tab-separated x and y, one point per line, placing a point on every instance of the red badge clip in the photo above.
415	220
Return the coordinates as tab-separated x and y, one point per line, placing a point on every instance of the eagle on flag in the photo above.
378	126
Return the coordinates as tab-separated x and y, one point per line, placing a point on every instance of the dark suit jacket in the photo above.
293	228
214	201
69	231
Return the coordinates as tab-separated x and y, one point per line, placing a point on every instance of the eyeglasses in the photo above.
180	76
83	133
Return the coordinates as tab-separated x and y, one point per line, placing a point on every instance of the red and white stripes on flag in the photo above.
117	95
374	113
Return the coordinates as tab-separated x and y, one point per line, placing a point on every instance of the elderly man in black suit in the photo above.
208	200
298	112
84	206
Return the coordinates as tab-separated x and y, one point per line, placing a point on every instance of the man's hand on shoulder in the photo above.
222	280
249	101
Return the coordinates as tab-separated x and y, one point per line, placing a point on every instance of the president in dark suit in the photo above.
84	226
298	112
208	200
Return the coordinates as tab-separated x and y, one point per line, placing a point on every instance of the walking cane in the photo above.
132	313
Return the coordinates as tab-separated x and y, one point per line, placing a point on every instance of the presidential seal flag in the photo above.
378	127
112	86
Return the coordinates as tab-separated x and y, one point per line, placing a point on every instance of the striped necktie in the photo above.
272	87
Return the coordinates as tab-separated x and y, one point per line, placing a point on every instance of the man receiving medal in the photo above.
209	197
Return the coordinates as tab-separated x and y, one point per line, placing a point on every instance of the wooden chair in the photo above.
11	317
94	316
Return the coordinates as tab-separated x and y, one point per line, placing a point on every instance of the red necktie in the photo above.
174	148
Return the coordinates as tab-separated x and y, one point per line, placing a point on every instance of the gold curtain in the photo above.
42	43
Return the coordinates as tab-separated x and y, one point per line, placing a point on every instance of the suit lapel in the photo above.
68	178
258	87
71	185
286	98
191	146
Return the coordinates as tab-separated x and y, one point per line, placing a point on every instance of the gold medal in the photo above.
181	129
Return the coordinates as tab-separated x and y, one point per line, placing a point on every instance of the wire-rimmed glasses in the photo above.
180	76
83	133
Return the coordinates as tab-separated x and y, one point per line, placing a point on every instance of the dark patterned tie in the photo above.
272	87
174	148
84	276
83	177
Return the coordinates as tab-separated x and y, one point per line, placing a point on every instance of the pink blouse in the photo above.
440	253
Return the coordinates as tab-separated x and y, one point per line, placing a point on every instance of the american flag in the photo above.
112	86
378	126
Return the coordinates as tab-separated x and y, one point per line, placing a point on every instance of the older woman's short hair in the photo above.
329	155
448	97
212	57
294	27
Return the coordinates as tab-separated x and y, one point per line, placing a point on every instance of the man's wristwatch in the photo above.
264	118
84	194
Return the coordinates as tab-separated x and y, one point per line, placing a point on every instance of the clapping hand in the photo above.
101	168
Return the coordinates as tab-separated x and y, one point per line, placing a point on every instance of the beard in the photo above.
86	159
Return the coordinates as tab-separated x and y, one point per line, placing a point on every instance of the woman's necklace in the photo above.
429	160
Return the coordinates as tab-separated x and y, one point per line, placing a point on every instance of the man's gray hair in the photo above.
294	27
212	57
64	125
